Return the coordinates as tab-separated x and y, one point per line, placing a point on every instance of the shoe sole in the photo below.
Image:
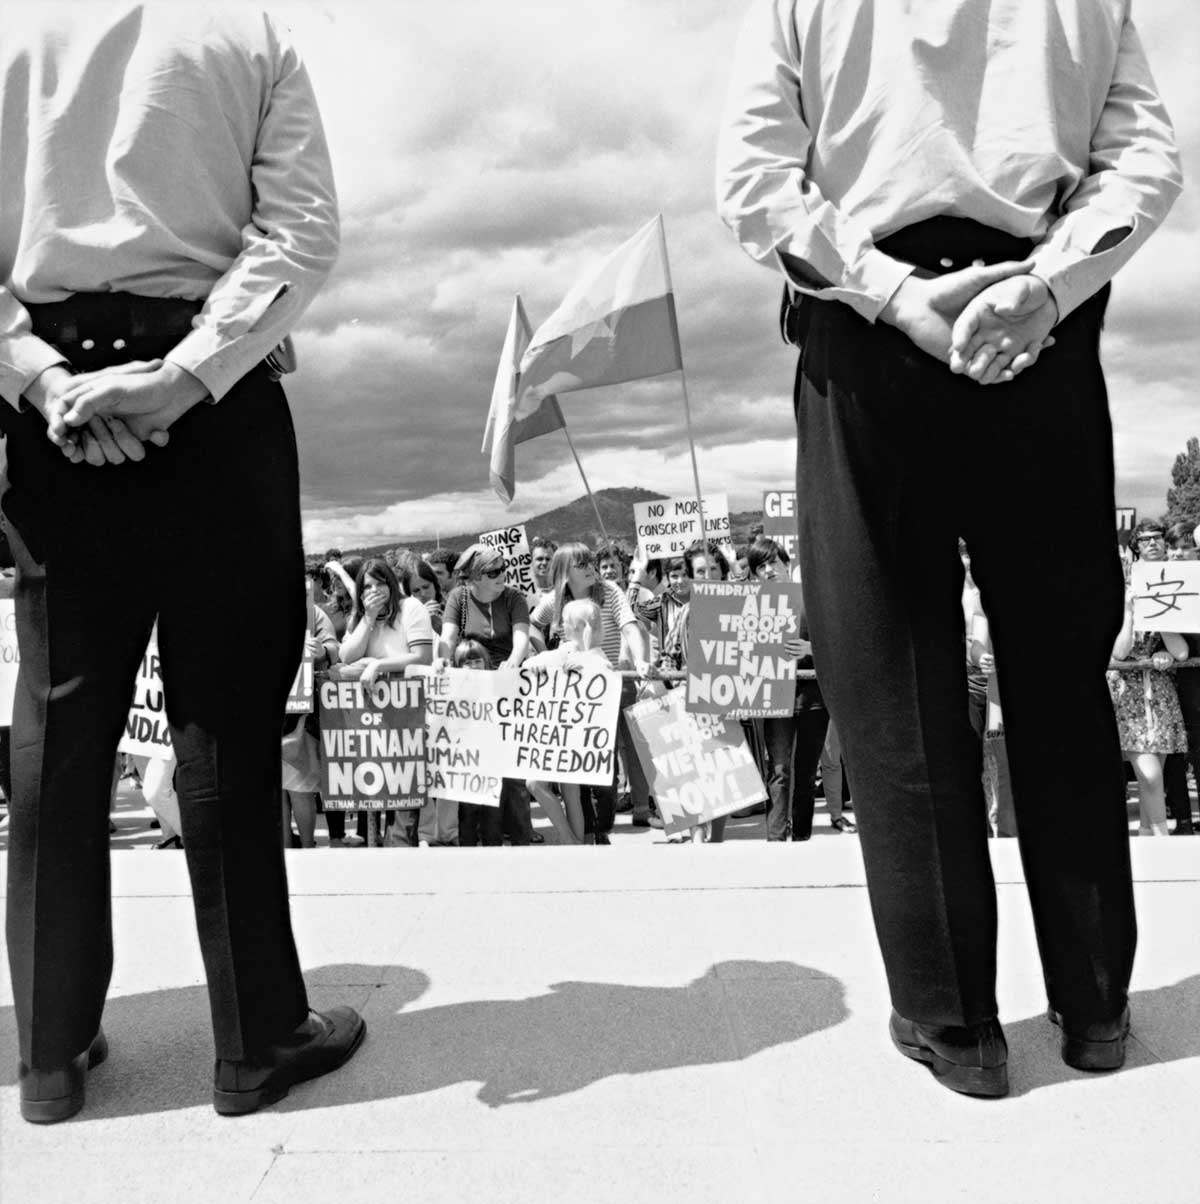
1092	1056
63	1107
242	1103
985	1082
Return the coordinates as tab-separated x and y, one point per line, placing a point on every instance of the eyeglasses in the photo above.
1151	538
492	574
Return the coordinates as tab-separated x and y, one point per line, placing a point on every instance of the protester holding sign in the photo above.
483	608
794	743
1148	715
573	573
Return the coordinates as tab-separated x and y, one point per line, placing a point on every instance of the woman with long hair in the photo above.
387	633
574	578
421	582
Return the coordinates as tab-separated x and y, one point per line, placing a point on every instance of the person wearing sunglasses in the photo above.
483	608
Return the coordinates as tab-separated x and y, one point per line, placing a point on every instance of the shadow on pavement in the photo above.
517	1050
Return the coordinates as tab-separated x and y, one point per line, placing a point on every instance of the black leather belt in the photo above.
106	323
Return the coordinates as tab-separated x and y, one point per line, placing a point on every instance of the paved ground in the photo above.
639	1023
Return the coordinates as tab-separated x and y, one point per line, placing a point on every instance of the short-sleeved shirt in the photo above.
410	630
491	623
615	608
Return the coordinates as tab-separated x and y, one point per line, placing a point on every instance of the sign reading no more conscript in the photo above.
670	527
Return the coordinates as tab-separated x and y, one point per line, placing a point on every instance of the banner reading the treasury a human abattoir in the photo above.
372	744
518	559
10	659
737	664
462	736
147	731
699	767
558	724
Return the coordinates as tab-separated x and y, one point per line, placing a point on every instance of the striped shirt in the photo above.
613	605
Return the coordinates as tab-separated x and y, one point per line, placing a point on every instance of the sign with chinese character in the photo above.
372	744
781	523
737	665
671	526
147	732
512	542
1166	595
699	767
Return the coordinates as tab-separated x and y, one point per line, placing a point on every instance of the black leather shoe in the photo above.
972	1060
325	1041
1098	1046
48	1096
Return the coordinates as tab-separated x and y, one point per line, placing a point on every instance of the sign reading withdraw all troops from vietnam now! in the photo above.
737	663
518	560
372	744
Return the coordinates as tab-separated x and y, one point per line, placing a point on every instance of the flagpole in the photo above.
591	496
687	406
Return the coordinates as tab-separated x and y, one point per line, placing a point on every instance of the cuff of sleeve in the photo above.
1070	269
31	357
867	285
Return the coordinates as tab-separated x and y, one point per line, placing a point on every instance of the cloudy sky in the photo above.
485	149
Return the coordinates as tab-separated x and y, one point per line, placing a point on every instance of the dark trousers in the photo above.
1179	803
478	824
100	552
794	743
639	787
897	458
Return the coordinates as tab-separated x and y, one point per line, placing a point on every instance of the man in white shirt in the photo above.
941	186
167	212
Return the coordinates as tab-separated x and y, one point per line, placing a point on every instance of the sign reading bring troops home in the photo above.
699	767
147	732
372	744
518	560
737	664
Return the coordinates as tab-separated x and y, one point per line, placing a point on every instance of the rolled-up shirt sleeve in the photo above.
23	356
1133	179
764	192
289	245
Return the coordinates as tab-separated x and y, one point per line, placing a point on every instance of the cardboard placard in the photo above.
300	697
10	659
147	731
1166	595
670	527
518	560
699	767
372	744
781	522
737	665
461	735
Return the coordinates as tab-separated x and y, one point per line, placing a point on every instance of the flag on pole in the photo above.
504	430
617	323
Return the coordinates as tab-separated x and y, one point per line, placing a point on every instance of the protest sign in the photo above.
462	736
518	561
670	527
737	665
10	659
300	697
1126	520
699	767
557	724
372	744
781	522
147	732
1166	595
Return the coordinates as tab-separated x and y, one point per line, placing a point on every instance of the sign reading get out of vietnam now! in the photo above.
737	664
670	527
372	744
781	523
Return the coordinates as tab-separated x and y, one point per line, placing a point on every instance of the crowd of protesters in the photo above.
379	615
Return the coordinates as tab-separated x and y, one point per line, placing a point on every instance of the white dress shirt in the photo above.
849	119
170	150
